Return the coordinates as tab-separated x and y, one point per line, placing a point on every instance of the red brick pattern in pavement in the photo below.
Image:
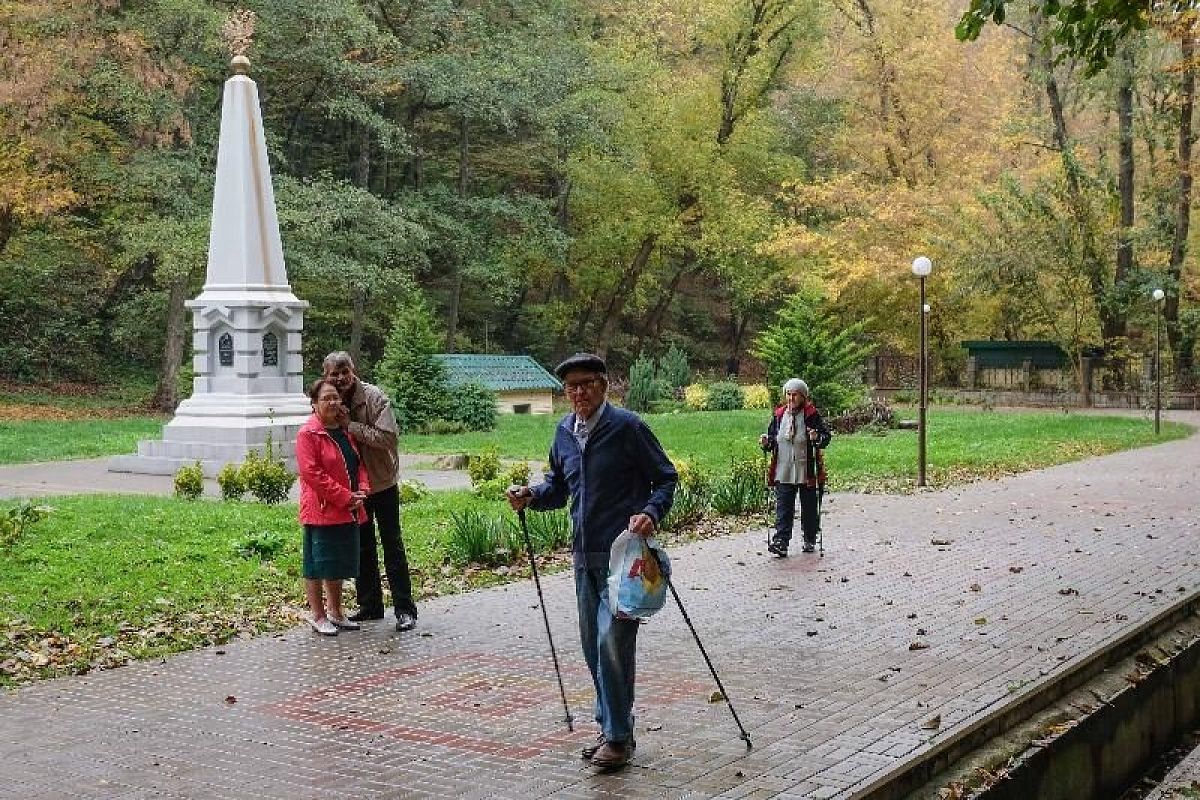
1041	569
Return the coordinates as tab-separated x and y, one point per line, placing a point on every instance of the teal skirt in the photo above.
331	551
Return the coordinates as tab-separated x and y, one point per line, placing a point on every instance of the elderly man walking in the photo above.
373	425
617	477
794	437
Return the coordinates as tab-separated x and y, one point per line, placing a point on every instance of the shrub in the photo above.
691	476
695	397
517	474
16	520
485	466
673	370
756	396
443	427
412	490
266	477
724	396
476	537
644	388
189	481
264	545
231	482
490	489
474	406
875	414
414	378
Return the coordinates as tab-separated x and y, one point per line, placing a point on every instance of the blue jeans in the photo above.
785	512
610	650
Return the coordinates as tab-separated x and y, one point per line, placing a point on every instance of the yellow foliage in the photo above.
695	397
756	396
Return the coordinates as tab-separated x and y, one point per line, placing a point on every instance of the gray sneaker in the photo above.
405	621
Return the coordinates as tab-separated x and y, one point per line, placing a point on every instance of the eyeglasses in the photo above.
575	387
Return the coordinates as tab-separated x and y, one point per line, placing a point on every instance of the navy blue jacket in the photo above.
623	471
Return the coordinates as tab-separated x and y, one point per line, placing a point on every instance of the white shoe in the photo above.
323	626
344	624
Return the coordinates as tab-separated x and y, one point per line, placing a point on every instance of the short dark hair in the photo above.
314	388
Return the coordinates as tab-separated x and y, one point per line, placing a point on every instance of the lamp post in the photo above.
1159	295
921	267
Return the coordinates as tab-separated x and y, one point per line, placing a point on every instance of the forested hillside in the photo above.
616	175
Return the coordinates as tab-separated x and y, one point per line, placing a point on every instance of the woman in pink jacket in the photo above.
333	485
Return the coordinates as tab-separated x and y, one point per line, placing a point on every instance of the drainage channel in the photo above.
1088	733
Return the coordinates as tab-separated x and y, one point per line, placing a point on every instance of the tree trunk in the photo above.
8	226
166	396
654	321
616	303
1092	264
1117	322
361	174
358	314
1181	354
456	281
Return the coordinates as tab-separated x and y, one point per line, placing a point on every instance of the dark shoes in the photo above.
405	621
809	547
613	755
589	751
778	547
363	616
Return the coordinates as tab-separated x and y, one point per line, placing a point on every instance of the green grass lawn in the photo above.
107	578
23	441
962	444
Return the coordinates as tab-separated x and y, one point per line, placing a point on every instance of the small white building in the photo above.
522	385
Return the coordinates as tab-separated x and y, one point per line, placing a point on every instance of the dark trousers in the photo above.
383	509
786	495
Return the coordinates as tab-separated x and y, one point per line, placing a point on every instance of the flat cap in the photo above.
588	361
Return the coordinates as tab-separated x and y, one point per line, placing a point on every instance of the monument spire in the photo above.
246	323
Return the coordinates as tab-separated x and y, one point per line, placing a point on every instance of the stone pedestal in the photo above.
246	323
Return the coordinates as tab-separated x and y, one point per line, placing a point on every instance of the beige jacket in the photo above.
374	428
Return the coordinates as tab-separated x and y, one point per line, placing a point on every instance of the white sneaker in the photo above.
344	624
323	626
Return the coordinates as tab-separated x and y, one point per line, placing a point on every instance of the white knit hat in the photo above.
795	385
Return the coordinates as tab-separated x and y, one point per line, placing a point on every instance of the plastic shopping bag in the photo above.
637	579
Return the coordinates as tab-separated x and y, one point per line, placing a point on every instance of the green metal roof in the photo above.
993	353
498	373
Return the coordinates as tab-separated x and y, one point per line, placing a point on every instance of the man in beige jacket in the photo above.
374	428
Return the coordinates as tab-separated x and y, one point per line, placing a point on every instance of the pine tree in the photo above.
802	343
409	372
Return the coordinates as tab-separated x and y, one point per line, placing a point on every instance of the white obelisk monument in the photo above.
246	323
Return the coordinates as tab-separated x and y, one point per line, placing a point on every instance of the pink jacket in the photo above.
324	479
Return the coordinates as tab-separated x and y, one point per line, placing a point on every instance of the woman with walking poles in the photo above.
795	438
610	466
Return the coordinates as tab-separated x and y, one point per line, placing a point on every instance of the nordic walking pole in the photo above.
546	617
671	585
820	527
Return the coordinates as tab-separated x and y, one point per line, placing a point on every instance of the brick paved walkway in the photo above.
1040	570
